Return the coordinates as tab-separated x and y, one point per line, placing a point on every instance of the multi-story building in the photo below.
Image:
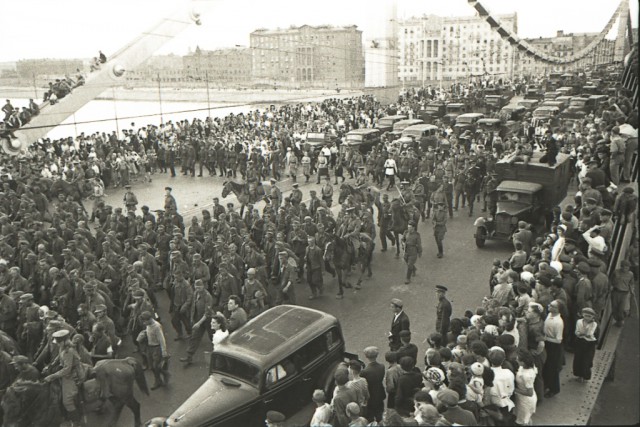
307	56
47	68
564	45
166	68
434	48
220	67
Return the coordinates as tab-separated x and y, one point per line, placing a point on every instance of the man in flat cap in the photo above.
374	374
443	311
400	322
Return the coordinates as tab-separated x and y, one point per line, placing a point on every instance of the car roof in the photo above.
471	115
395	116
489	120
546	108
455	104
519	186
274	334
421	127
364	131
409	122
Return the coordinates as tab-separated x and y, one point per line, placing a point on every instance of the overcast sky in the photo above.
78	28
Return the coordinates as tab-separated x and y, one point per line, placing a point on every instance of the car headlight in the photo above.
156	422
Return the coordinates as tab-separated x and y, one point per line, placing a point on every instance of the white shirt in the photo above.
219	335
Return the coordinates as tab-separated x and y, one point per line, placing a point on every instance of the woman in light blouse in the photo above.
219	328
585	344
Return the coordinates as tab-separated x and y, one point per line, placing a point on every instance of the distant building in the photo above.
563	45
308	57
49	68
220	67
168	68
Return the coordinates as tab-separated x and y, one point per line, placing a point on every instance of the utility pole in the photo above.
35	87
206	76
160	100
115	110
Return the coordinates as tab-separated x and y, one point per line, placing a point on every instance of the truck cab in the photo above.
433	111
385	124
467	121
526	192
453	110
400	126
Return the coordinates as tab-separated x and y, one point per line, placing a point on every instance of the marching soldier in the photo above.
275	194
384	222
439	227
130	199
412	249
327	192
169	200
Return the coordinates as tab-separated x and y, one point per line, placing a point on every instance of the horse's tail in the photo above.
139	375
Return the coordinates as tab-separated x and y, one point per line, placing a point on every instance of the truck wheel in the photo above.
481	237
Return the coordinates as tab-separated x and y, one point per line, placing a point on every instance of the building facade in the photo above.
449	49
307	56
48	68
165	68
564	45
220	67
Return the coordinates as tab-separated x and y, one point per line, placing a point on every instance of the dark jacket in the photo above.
408	384
374	374
400	324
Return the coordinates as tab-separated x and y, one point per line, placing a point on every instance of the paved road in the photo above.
365	314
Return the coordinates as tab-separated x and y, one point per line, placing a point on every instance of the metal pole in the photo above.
206	76
115	110
35	87
160	99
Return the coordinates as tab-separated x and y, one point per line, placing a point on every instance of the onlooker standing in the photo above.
443	311
342	396
526	398
391	378
374	373
585	344
617	149
358	384
409	381
400	322
553	332
353	412
323	412
622	290
238	316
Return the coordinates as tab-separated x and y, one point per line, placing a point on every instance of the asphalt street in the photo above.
365	315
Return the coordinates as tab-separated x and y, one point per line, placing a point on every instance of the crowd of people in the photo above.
75	283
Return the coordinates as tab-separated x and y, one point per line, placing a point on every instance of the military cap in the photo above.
138	293
168	188
628	190
441	288
127	186
593	262
62	333
100	308
583	267
295	185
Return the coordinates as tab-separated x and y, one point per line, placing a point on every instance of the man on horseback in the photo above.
70	374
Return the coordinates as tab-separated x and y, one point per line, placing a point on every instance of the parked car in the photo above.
314	141
505	129
274	362
400	126
453	110
534	92
424	135
467	121
433	111
363	139
514	112
495	102
385	124
550	96
546	113
529	104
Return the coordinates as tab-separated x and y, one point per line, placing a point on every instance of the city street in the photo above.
365	314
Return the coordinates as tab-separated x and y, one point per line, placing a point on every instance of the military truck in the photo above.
526	192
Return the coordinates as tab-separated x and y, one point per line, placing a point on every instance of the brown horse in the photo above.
338	255
243	193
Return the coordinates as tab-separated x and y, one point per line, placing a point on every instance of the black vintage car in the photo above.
274	362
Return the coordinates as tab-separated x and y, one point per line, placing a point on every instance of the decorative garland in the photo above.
527	48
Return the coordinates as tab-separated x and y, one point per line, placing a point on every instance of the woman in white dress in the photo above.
526	397
219	328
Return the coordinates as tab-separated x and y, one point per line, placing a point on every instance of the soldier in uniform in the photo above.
275	194
419	198
296	195
361	179
350	228
384	223
70	373
490	186
327	192
439	227
412	249
169	200
314	262
443	311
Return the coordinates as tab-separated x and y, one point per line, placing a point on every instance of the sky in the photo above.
78	28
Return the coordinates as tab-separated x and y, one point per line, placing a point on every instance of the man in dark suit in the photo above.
374	374
285	277
443	311
399	323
